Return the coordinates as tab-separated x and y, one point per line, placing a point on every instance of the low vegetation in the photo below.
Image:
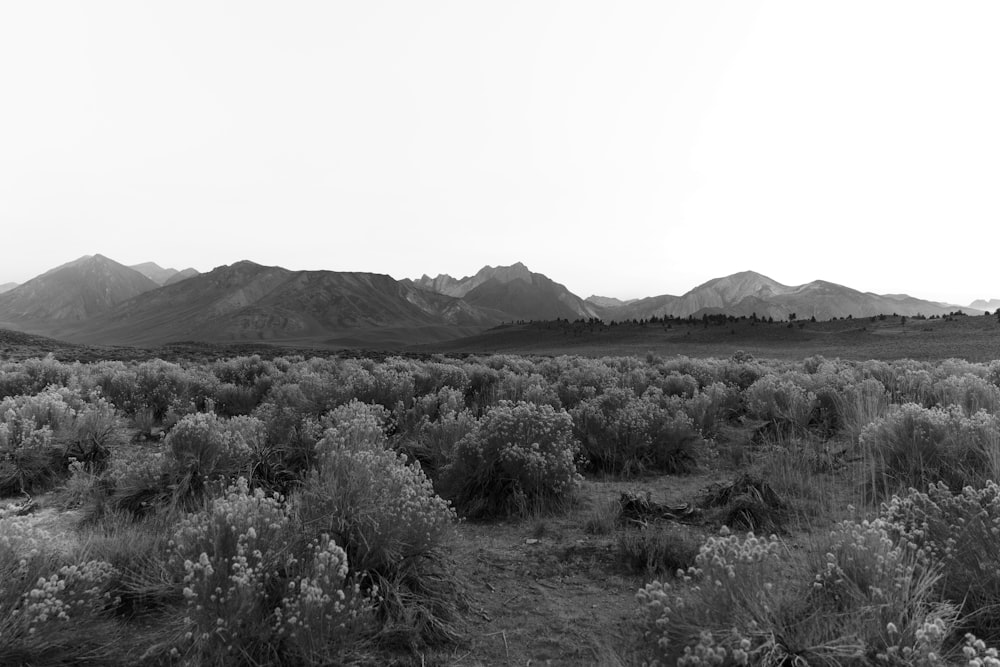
317	511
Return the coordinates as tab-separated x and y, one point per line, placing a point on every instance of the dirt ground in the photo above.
544	591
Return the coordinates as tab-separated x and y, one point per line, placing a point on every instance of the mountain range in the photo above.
162	276
96	300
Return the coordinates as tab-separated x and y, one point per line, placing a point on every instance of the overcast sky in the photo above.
621	148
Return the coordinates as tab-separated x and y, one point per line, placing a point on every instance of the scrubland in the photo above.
499	510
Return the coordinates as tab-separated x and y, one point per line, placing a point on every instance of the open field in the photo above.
965	337
505	509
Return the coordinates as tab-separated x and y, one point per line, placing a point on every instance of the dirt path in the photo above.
546	592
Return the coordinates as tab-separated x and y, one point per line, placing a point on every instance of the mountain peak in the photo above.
74	291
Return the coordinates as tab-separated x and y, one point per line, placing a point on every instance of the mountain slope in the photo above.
748	293
978	304
183	274
247	301
513	293
6	287
154	272
73	292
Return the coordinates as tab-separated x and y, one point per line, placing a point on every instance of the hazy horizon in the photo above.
625	150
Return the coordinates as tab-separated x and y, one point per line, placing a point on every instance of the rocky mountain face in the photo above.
512	293
73	292
6	287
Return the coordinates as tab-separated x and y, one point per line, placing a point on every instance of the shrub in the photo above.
53	609
728	592
324	616
969	392
33	430
869	601
204	447
602	519
711	406
436	441
355	426
385	514
858	405
780	401
625	434
960	535
880	592
658	549
520	458
915	446
226	556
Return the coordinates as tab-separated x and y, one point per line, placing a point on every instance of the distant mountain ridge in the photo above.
249	302
162	276
512	293
985	304
6	287
748	293
96	300
73	292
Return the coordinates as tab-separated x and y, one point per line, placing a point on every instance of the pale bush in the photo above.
969	392
627	434
204	447
858	405
781	401
355	426
324	614
520	458
960	534
384	513
916	446
383	509
226	556
730	592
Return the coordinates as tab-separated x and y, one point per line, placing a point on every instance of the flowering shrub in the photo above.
576	379
151	386
73	591
226	556
204	447
969	392
729	593
677	384
323	613
31	376
382	509
38	432
871	599
781	401
711	406
436	440
54	609
355	426
520	457
529	387
960	534
916	446
626	434
859	405
395	530
882	591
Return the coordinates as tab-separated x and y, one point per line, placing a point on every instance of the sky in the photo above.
623	148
